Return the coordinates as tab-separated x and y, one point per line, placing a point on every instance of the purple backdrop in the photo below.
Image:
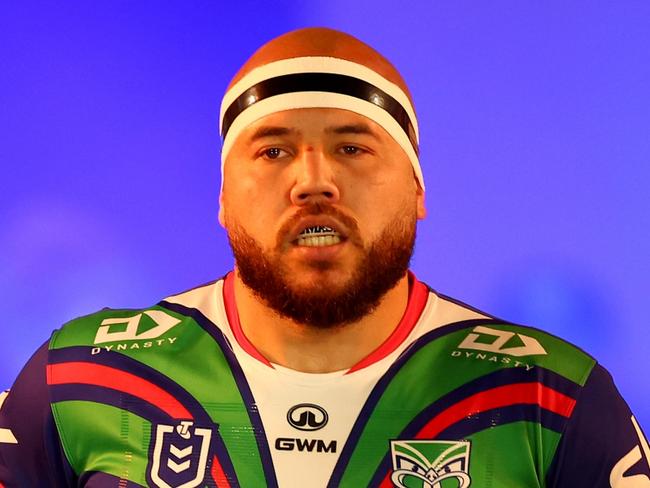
535	122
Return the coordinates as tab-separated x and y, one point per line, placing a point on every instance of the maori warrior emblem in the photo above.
430	464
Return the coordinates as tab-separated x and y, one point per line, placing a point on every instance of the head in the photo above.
321	185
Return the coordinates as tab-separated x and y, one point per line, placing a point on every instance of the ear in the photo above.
421	210
222	215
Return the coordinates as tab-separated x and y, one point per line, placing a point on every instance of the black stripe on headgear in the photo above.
320	82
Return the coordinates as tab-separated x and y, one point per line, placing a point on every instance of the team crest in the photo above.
430	464
179	456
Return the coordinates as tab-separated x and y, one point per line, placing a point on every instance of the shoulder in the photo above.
525	345
472	339
152	328
564	388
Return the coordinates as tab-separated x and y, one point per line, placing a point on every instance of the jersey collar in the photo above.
418	295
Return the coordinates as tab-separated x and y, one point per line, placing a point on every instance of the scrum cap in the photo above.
320	68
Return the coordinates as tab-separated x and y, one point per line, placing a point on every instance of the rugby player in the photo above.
320	360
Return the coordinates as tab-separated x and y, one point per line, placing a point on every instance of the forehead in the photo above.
313	121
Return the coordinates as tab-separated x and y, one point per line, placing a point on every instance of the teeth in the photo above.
320	230
317	241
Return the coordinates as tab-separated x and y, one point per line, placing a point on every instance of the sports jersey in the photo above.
175	395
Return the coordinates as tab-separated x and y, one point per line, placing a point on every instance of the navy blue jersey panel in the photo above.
103	480
601	442
36	458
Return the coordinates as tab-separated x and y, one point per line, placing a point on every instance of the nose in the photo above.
315	179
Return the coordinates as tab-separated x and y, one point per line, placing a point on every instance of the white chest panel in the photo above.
304	454
307	418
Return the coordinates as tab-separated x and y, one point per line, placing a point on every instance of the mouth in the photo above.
318	236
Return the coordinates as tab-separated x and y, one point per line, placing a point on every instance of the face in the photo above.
320	206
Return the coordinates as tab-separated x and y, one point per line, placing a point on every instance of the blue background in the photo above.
535	124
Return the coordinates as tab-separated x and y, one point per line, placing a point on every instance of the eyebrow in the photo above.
271	131
274	131
352	129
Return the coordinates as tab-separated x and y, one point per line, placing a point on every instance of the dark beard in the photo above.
383	264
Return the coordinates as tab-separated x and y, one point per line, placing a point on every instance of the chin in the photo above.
325	288
320	279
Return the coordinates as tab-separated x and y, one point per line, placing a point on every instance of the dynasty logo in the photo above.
497	341
430	464
141	331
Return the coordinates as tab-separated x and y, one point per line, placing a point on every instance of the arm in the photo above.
30	450
603	445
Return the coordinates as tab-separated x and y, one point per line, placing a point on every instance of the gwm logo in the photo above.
307	416
113	329
179	456
494	340
430	464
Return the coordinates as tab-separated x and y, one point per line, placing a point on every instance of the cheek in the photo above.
389	176
256	209
256	183
387	207
389	189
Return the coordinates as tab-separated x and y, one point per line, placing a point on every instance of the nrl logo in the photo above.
180	455
430	464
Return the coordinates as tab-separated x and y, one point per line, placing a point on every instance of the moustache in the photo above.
311	209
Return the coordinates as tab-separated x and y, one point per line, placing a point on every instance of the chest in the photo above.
237	429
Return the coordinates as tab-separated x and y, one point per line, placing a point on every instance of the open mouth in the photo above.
318	236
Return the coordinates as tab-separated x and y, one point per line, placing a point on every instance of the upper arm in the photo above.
30	450
603	445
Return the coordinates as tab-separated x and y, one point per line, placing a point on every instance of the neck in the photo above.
310	349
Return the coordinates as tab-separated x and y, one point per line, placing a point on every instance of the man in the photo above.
320	360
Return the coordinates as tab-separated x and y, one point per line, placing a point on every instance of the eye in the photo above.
350	150
274	153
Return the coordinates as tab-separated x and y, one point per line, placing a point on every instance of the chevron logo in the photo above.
179	454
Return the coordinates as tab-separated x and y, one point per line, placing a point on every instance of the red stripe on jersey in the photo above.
233	320
386	483
502	396
418	297
107	377
218	475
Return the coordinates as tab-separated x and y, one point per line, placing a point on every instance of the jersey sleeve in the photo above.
603	445
30	450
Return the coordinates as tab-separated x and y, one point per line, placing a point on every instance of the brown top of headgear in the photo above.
321	41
